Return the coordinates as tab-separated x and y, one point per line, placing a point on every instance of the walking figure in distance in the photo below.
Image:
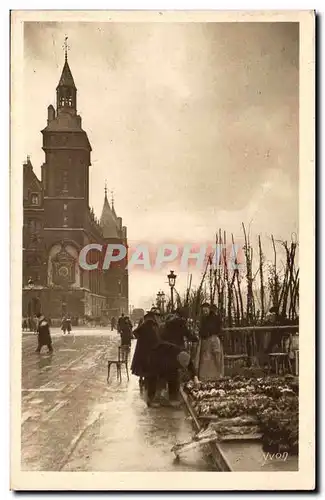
113	323
66	325
44	335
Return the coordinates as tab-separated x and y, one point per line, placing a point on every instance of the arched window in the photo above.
35	199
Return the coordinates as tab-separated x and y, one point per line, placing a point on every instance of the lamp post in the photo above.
158	300
172	280
162	302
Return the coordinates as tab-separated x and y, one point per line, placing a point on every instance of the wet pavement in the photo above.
72	420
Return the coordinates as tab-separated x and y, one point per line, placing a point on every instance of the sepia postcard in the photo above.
162	250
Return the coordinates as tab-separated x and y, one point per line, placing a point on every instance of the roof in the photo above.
66	79
31	180
65	121
108	221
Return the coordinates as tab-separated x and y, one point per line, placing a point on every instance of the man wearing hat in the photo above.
44	335
165	361
176	330
205	309
146	335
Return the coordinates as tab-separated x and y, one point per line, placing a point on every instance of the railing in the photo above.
256	340
253	342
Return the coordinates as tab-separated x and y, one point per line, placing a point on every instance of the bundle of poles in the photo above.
245	287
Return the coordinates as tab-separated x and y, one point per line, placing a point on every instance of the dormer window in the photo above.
35	199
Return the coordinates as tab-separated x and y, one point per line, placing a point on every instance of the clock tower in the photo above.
65	173
58	223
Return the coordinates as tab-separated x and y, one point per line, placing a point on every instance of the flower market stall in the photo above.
245	422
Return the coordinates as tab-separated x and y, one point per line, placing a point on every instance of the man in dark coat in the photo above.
68	324
120	322
44	335
146	335
126	332
176	330
155	359
113	323
165	361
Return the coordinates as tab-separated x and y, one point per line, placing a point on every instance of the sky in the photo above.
193	125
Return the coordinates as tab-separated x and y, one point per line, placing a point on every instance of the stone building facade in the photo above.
58	223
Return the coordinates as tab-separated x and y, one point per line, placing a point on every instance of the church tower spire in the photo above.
112	203
66	91
66	47
108	219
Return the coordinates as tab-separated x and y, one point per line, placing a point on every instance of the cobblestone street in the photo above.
72	420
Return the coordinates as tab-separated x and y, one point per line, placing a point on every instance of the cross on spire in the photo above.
66	47
112	198
105	188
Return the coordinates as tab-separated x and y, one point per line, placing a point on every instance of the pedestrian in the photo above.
120	322
176	330
275	337
113	323
145	334
35	324
64	325
165	362
68	323
126	332
210	357
25	326
44	335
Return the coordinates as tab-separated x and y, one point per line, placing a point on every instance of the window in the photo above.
34	199
65	180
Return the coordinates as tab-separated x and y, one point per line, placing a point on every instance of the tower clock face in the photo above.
63	268
63	272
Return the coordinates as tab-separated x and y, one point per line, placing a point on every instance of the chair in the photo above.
281	361
122	359
231	360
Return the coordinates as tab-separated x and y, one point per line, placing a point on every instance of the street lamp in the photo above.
158	300
172	280
162	295
161	300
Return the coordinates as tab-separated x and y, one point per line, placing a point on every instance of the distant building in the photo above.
58	223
